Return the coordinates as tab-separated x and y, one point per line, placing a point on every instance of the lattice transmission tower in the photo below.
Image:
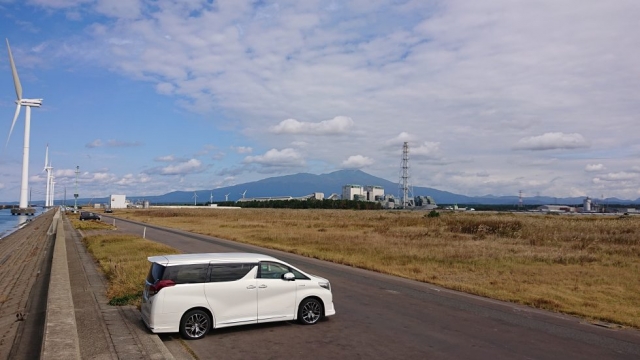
405	186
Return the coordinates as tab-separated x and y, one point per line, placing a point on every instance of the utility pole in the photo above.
75	195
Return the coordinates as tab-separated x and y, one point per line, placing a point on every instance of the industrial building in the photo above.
118	202
352	192
374	193
314	196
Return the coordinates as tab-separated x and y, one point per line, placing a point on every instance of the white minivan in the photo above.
193	293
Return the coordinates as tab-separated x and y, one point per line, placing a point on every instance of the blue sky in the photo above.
494	96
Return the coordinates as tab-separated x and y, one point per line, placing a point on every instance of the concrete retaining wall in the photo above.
60	340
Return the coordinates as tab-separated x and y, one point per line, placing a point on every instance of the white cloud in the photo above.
277	158
426	149
552	140
619	176
94	144
131	179
400	139
59	3
357	162
337	125
112	143
242	149
168	158
181	168
594	167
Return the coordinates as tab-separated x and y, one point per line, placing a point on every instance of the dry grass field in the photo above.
123	260
582	265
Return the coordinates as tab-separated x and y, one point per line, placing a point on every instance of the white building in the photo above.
350	191
374	193
118	202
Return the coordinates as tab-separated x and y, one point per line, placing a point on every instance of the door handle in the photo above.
251	287
262	286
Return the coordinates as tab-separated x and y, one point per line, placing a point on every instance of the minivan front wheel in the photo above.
195	324
310	311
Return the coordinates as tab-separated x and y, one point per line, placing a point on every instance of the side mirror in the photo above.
288	277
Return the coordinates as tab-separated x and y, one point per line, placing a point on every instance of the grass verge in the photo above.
123	260
90	224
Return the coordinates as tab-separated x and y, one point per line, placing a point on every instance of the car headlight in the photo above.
325	285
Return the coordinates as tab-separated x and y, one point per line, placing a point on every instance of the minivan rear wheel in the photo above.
310	311
195	324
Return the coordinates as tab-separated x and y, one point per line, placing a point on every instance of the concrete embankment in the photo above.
53	302
24	264
60	340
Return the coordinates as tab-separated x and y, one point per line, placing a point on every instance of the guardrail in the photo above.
60	339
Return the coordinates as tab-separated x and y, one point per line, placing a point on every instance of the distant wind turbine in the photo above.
49	170
28	103
226	197
53	191
195	199
243	193
211	198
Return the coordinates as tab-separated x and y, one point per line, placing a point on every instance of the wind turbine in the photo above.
242	193
28	103
53	191
49	170
211	198
195	199
226	197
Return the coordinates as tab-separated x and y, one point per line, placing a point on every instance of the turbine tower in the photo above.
53	191
195	199
24	208
226	197
49	170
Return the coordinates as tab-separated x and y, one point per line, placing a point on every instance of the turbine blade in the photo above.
14	71
46	158
15	117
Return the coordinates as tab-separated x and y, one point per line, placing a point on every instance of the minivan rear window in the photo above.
186	274
156	271
229	272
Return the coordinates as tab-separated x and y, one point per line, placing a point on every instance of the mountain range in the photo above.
304	184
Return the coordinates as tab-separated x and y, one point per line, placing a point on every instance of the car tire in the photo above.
310	311
195	324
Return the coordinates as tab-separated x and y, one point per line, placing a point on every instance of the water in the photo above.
10	223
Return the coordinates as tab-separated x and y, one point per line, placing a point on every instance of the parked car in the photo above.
193	293
85	215
108	211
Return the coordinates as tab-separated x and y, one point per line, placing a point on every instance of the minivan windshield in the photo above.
155	273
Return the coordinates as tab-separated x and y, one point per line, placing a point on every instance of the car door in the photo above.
231	292
276	297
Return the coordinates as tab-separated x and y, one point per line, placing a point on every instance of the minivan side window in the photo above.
186	274
228	272
270	270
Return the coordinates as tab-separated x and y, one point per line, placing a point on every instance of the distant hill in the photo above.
304	183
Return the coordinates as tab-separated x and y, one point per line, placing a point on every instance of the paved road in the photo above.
384	317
